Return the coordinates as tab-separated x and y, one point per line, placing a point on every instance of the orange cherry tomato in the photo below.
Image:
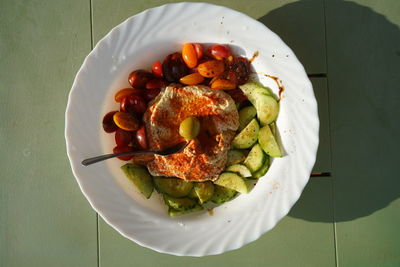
192	79
222	84
189	55
126	121
121	94
211	68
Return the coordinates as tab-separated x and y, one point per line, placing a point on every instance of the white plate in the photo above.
137	43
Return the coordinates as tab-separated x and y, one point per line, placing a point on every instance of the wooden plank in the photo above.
44	218
293	242
364	85
299	24
323	162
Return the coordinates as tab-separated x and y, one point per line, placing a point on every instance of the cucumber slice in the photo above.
266	105
236	156
263	170
222	194
239	169
232	181
173	212
246	114
268	142
248	136
140	178
179	203
174	187
192	194
255	159
272	126
204	191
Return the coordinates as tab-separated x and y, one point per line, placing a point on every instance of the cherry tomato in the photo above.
141	138
237	95
150	94
220	51
174	67
133	104
121	94
126	121
120	149
189	55
139	78
222	84
192	79
211	68
122	137
199	50
109	125
156	83
156	69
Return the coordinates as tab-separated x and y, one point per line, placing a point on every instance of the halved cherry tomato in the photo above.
220	51
125	92
211	68
192	79
126	121
156	83
122	137
120	149
133	104
222	84
150	94
141	138
199	50
109	125
156	69
189	55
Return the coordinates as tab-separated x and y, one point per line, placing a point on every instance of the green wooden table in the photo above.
351	51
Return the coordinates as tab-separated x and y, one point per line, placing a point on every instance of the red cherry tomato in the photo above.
133	104
139	78
120	149
150	94
156	69
220	51
141	138
156	83
109	125
237	95
199	50
122	137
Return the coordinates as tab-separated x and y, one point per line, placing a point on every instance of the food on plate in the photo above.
204	97
205	156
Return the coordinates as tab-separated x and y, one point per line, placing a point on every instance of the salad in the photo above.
206	97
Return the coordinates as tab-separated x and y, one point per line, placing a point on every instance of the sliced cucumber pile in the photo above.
255	142
262	99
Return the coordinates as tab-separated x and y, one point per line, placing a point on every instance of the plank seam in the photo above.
97	215
330	141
